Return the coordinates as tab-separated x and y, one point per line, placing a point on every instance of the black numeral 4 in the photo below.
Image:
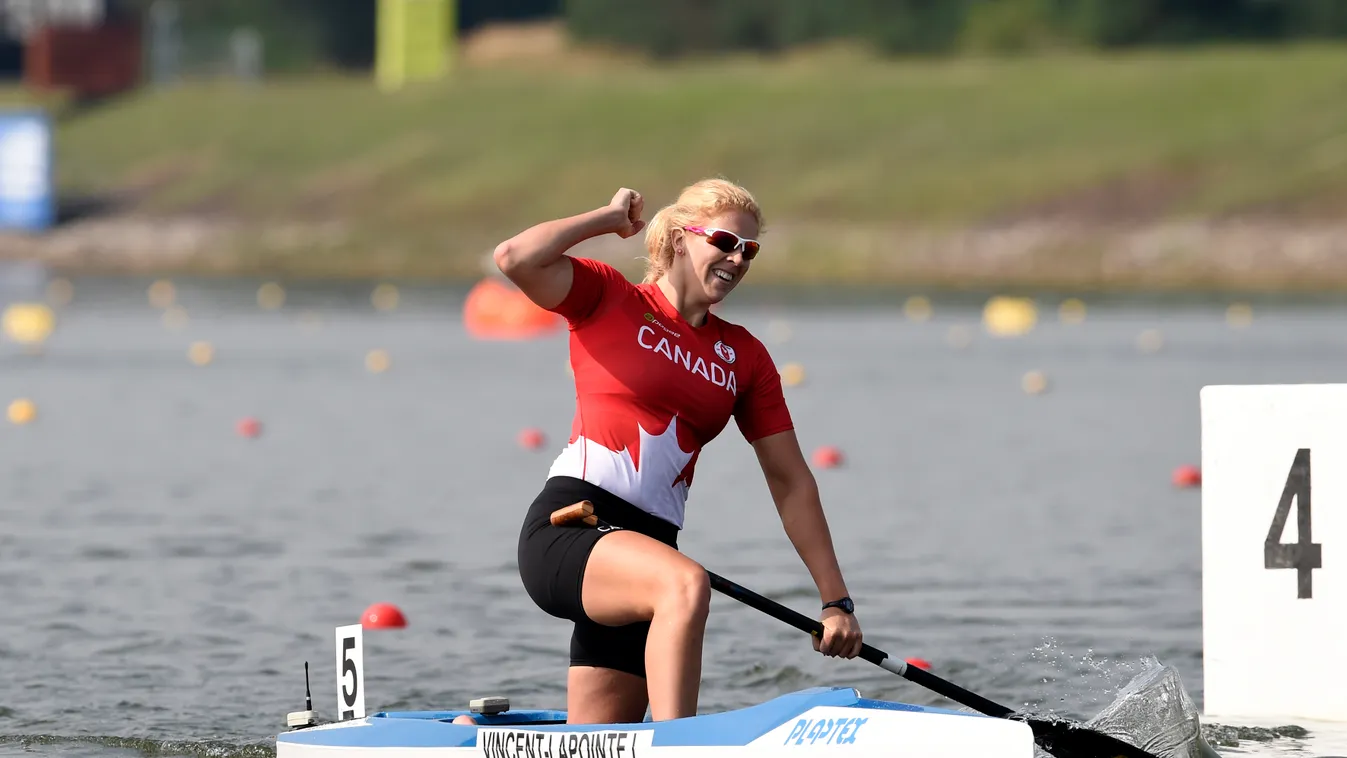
1303	555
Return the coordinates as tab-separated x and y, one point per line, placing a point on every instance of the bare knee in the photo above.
685	593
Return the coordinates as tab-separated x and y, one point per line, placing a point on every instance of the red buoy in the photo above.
383	616
531	439
249	427
827	457
1187	476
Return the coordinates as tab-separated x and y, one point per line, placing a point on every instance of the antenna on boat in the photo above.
307	717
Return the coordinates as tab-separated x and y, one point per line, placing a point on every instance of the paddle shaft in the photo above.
583	512
868	652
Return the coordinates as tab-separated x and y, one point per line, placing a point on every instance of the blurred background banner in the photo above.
27	200
415	39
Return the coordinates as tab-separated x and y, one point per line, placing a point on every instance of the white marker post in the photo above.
350	672
1274	551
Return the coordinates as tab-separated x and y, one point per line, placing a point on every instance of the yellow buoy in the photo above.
792	374
201	353
22	411
1150	341
175	317
162	294
1034	382
270	296
384	297
1239	315
1071	311
377	361
917	308
60	292
1006	316
28	323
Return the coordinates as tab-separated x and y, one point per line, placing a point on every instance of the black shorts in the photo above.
552	565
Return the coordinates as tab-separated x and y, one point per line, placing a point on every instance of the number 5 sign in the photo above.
350	673
1274	551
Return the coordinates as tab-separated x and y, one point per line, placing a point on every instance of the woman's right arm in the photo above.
535	258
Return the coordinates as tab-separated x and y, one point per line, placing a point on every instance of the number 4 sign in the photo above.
1274	586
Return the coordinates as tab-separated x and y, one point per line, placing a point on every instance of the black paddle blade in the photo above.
1067	740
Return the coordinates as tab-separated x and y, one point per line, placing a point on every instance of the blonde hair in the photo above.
705	199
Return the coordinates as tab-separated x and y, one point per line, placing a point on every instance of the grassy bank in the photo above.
851	156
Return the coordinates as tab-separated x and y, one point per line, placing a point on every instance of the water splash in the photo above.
1155	713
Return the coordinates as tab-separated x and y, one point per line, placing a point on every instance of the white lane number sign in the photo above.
1274	550
350	673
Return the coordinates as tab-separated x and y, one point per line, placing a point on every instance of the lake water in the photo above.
163	579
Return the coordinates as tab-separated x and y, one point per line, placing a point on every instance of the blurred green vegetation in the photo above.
928	27
425	180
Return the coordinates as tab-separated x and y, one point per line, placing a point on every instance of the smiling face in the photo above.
705	266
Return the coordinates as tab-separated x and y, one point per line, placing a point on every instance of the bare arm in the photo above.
535	259
796	495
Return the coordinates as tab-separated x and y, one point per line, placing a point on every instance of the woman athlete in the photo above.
657	378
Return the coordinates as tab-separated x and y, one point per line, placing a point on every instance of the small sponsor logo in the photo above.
825	731
725	352
651	318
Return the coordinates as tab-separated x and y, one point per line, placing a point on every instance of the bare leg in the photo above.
604	696
631	578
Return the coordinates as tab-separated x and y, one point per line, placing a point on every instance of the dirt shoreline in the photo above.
1251	255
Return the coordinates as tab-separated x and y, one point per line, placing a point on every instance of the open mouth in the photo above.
723	275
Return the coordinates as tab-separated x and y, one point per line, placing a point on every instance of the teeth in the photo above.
725	277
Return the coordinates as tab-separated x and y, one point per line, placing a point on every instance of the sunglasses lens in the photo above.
723	241
750	250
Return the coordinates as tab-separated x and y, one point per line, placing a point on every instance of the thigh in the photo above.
626	574
552	562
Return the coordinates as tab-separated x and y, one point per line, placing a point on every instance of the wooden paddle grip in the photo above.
581	512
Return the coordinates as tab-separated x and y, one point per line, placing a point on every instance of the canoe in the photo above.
820	720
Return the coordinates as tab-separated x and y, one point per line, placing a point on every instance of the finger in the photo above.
637	226
829	643
815	639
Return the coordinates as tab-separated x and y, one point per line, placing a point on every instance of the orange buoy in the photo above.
497	310
827	457
920	663
383	616
249	427
531	439
1187	476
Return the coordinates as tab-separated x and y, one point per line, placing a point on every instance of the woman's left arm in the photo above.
796	494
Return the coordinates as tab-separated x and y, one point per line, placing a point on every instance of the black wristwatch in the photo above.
845	604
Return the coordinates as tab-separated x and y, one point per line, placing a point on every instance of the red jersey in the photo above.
652	390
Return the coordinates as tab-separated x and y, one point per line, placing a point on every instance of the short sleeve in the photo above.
761	410
591	282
